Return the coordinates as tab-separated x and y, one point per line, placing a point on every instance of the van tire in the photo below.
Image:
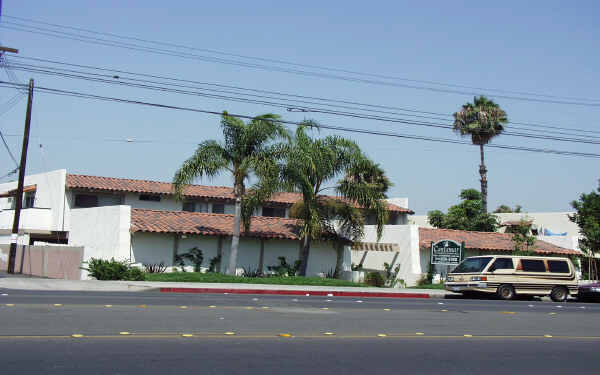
505	292
559	294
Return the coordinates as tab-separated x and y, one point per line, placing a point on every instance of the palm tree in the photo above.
482	120
247	149
309	166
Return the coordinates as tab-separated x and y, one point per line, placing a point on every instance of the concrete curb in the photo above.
328	293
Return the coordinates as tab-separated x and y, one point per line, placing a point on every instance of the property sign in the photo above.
446	252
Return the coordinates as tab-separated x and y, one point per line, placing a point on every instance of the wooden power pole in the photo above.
19	196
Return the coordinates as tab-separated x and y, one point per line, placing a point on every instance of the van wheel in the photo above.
559	294
505	292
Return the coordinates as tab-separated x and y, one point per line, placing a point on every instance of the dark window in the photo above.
273	211
472	265
189	206
29	199
558	266
86	200
533	265
218	208
502	264
148	197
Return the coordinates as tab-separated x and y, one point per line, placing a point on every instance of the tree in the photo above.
248	149
482	120
504	209
467	215
587	217
310	165
523	241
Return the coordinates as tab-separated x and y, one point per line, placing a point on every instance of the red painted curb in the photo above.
295	292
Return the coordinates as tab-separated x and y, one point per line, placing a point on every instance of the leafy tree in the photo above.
482	120
248	149
467	215
587	217
504	209
524	242
310	165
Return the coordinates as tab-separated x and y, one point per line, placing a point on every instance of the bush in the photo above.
112	269
285	269
194	255
374	279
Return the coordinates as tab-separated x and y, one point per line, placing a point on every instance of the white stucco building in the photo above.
142	222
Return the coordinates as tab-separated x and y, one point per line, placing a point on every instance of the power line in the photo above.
8	149
296	123
373	107
284	62
305	109
154	50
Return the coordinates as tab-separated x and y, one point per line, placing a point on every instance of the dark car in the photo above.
589	292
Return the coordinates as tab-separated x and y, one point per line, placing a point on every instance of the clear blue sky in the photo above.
547	47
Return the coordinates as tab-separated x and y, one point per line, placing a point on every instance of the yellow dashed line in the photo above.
124	333
187	335
285	335
468	335
229	333
324	308
10	304
419	334
57	305
509	312
387	309
183	307
77	335
547	336
108	305
328	333
381	335
212	306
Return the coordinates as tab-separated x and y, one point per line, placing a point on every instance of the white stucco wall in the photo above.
407	238
49	205
102	231
166	203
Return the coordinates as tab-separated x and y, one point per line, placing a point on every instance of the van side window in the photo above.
558	266
502	264
533	265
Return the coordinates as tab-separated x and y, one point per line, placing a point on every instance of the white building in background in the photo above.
140	221
552	227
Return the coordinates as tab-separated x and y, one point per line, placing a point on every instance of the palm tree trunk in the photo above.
235	239
304	257
483	172
339	248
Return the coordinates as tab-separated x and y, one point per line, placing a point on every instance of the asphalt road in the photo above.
155	333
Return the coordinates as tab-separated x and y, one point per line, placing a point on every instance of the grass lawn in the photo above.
220	278
428	286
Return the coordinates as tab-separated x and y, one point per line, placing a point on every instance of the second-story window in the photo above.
189	206
218	208
273	211
150	197
29	199
86	200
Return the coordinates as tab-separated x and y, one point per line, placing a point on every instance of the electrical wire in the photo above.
95	78
284	62
296	123
132	46
116	73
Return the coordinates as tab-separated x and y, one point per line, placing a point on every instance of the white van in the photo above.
507	276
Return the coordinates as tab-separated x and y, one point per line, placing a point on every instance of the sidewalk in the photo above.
24	283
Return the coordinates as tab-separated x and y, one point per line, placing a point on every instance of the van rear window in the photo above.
533	265
559	266
472	265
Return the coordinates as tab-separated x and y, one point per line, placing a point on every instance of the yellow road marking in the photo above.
552	313
265	307
77	335
124	333
183	307
508	312
419	333
212	306
229	333
10	304
187	335
324	308
444	310
328	333
285	335
548	336
57	305
381	335
107	305
387	309
468	335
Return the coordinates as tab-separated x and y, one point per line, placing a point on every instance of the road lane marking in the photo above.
552	313
324	308
57	305
444	310
287	335
212	306
381	335
419	334
76	335
183	307
108	305
328	333
386	309
187	335
548	336
509	312
229	333
124	333
10	305
468	335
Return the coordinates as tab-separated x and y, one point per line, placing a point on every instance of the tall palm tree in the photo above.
482	120
248	149
309	166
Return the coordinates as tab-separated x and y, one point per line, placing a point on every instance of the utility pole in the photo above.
19	196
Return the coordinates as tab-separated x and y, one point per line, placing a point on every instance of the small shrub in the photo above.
331	274
214	263
155	267
375	279
285	269
112	269
390	275
194	255
251	272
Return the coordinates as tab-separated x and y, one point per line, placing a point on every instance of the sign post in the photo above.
446	252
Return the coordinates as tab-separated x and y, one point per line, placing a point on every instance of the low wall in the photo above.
55	262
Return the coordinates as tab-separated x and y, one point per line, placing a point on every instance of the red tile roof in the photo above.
207	224
13	192
487	241
112	184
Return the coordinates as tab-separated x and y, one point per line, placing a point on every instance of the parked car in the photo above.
589	292
506	276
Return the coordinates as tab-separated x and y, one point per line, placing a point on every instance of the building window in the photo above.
218	208
273	211
189	206
29	199
86	200
150	197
